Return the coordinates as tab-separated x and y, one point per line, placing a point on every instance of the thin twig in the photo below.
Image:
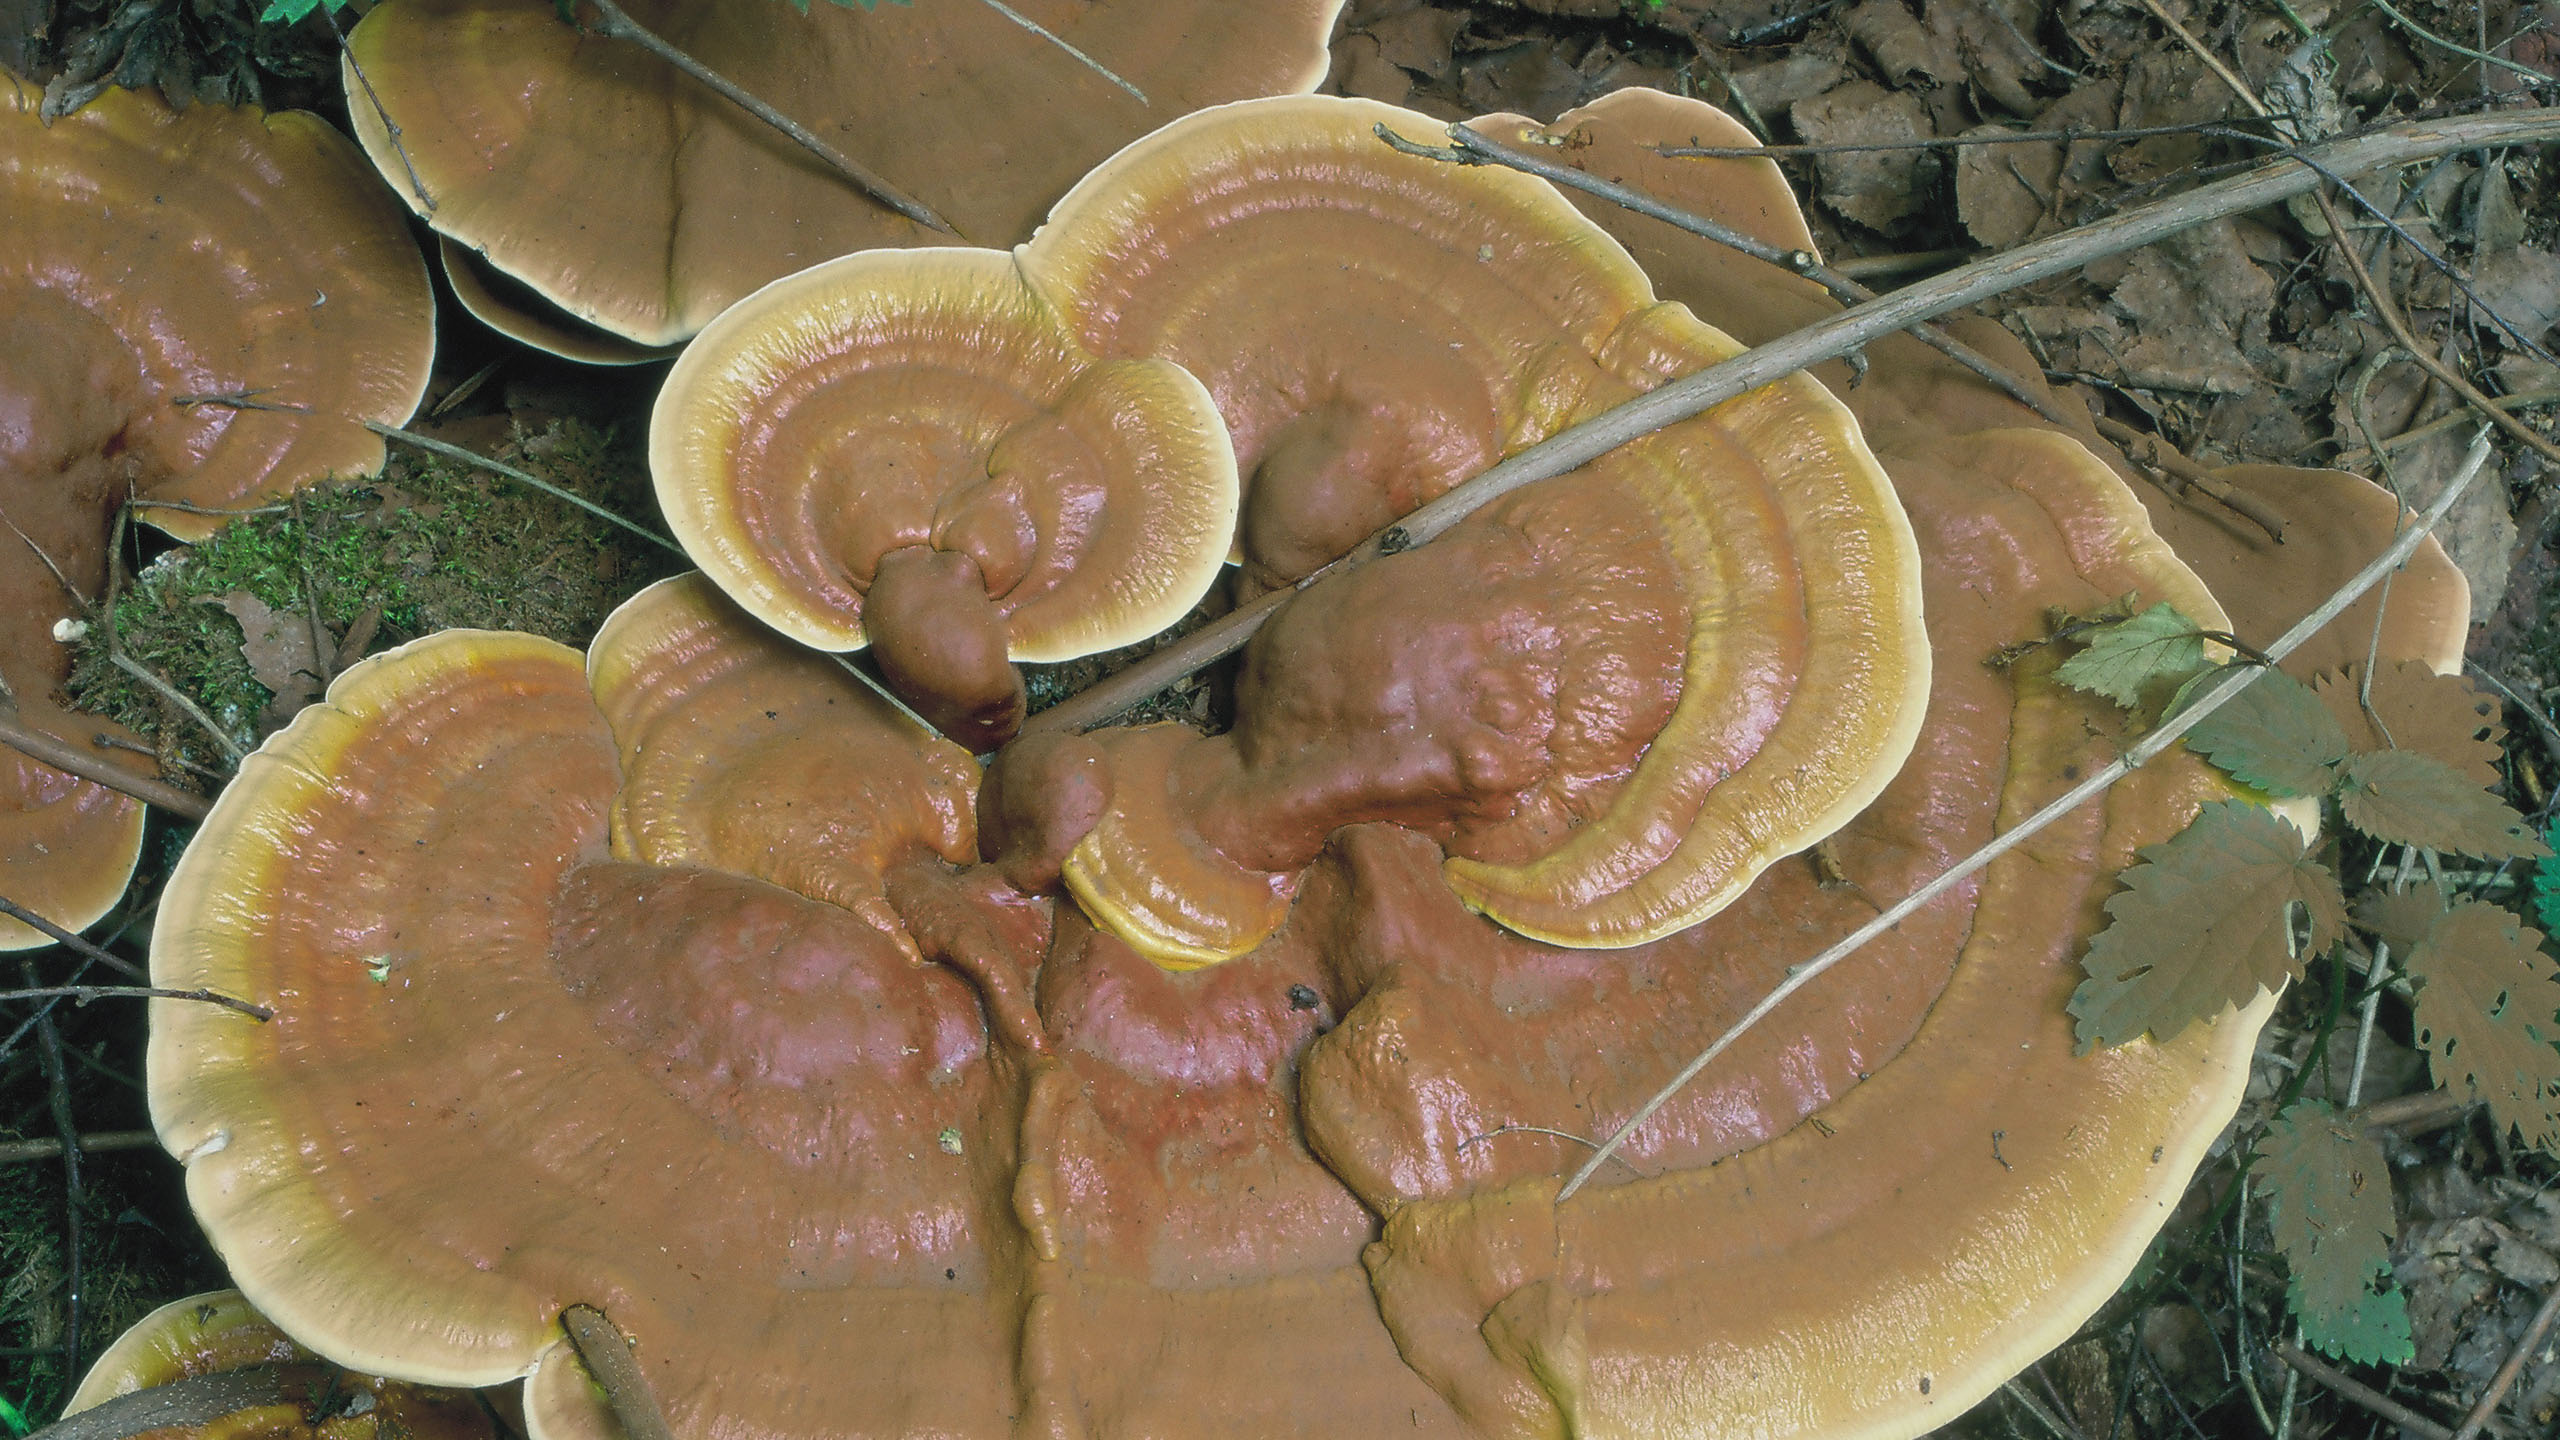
2521	400
2542	723
20	1152
1470	144
2349	1388
70	760
607	1352
1944	142
2142	752
71	940
390	128
618	25
2275	180
2388	312
2533	79
177	698
1045	33
83	994
2505	1379
57	1084
2155	451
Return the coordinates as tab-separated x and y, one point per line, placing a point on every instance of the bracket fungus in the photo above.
693	984
152	255
640	201
906	450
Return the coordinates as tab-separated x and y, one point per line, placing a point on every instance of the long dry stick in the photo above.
2154	451
2505	1379
19	1152
2276	180
198	1401
2141	753
72	760
617	24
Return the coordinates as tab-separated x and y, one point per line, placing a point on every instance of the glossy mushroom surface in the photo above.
151	255
905	450
642	202
1649	680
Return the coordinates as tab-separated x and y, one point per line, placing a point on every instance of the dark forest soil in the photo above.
2244	341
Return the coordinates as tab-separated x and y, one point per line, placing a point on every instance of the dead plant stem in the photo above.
2140	753
2505	1379
2348	1388
607	1353
20	1152
70	760
194	1402
618	25
83	994
71	940
2277	179
1081	58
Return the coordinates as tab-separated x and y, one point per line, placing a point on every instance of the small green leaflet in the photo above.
2206	919
2143	656
2329	1203
2274	736
288	11
13	1419
2405	798
2546	880
2489	1014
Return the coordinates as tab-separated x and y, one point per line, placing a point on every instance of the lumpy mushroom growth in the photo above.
1160	1082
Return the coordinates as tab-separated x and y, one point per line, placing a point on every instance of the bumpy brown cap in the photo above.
219	1332
643	202
1376	328
904	449
151	255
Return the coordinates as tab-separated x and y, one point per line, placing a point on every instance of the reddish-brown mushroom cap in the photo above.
506	306
152	255
639	200
904	449
1377	327
216	1333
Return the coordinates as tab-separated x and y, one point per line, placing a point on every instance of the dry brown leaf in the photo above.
2439	715
2488	1016
2206	921
1881	190
281	652
2002	190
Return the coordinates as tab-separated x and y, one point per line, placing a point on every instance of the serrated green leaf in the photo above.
2488	1015
2207	919
13	1418
2546	880
2328	1192
2405	798
2275	736
285	12
2140	657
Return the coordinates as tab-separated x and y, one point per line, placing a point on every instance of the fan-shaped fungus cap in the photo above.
1646	682
641	201
151	255
1872	1210
904	449
220	1332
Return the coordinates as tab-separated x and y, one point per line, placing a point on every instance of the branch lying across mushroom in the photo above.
152	255
904	449
220	1334
1643	684
640	201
